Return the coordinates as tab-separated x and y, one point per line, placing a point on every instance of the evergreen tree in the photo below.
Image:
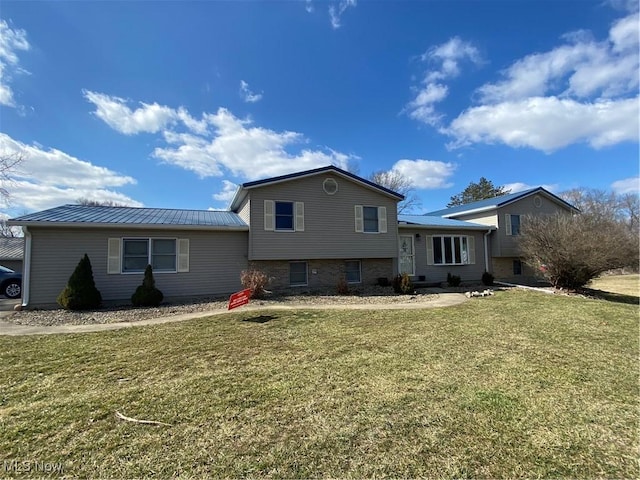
477	191
81	292
147	295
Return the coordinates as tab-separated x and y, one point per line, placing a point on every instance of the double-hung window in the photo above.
353	274
370	219
283	216
512	224
132	255
137	253
451	250
298	274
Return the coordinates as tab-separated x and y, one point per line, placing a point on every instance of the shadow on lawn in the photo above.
260	319
613	297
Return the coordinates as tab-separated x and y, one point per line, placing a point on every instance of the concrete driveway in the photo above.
7	304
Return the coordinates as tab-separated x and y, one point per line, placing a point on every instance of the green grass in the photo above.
521	384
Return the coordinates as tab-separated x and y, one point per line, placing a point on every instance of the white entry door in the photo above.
407	255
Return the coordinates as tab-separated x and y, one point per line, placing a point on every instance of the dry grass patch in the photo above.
516	385
619	284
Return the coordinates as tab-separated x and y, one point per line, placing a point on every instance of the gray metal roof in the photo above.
438	222
11	248
85	215
496	202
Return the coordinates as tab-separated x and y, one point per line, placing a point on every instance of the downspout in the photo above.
26	267
486	251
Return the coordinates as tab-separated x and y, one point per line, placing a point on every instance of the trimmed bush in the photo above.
487	279
147	295
402	284
81	292
453	280
256	281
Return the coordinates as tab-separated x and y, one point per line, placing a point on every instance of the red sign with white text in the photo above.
239	298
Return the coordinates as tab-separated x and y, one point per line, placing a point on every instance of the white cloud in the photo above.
628	185
149	118
247	95
447	58
425	174
583	91
11	41
516	187
246	151
547	123
308	6
48	178
220	143
336	12
227	193
606	68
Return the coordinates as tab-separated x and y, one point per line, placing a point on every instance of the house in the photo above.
11	251
505	214
306	230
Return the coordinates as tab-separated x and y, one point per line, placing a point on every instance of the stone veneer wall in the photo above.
323	273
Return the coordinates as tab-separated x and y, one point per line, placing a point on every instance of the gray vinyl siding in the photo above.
507	245
215	262
438	273
503	245
329	222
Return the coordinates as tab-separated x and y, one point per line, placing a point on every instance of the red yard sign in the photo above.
239	298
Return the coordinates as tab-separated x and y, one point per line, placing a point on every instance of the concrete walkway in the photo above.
442	300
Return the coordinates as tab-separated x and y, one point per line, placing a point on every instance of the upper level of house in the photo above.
321	213
506	214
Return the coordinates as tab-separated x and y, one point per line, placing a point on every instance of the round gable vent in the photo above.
537	201
330	186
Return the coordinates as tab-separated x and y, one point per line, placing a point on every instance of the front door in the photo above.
407	255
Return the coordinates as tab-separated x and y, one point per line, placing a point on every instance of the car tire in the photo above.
12	289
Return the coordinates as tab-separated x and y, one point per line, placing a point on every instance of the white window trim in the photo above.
471	245
117	244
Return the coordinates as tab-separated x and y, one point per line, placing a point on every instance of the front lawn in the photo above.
521	384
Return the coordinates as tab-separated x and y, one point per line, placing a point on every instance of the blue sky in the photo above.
172	104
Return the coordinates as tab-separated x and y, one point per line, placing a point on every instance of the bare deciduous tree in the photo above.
10	232
396	181
9	163
573	249
99	203
606	204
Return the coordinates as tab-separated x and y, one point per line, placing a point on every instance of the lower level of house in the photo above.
192	264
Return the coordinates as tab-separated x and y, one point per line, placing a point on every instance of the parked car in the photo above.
10	283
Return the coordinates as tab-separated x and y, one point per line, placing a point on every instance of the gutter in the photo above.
486	249
140	226
26	267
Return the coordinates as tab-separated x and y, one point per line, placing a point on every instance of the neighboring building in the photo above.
11	251
505	214
306	230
